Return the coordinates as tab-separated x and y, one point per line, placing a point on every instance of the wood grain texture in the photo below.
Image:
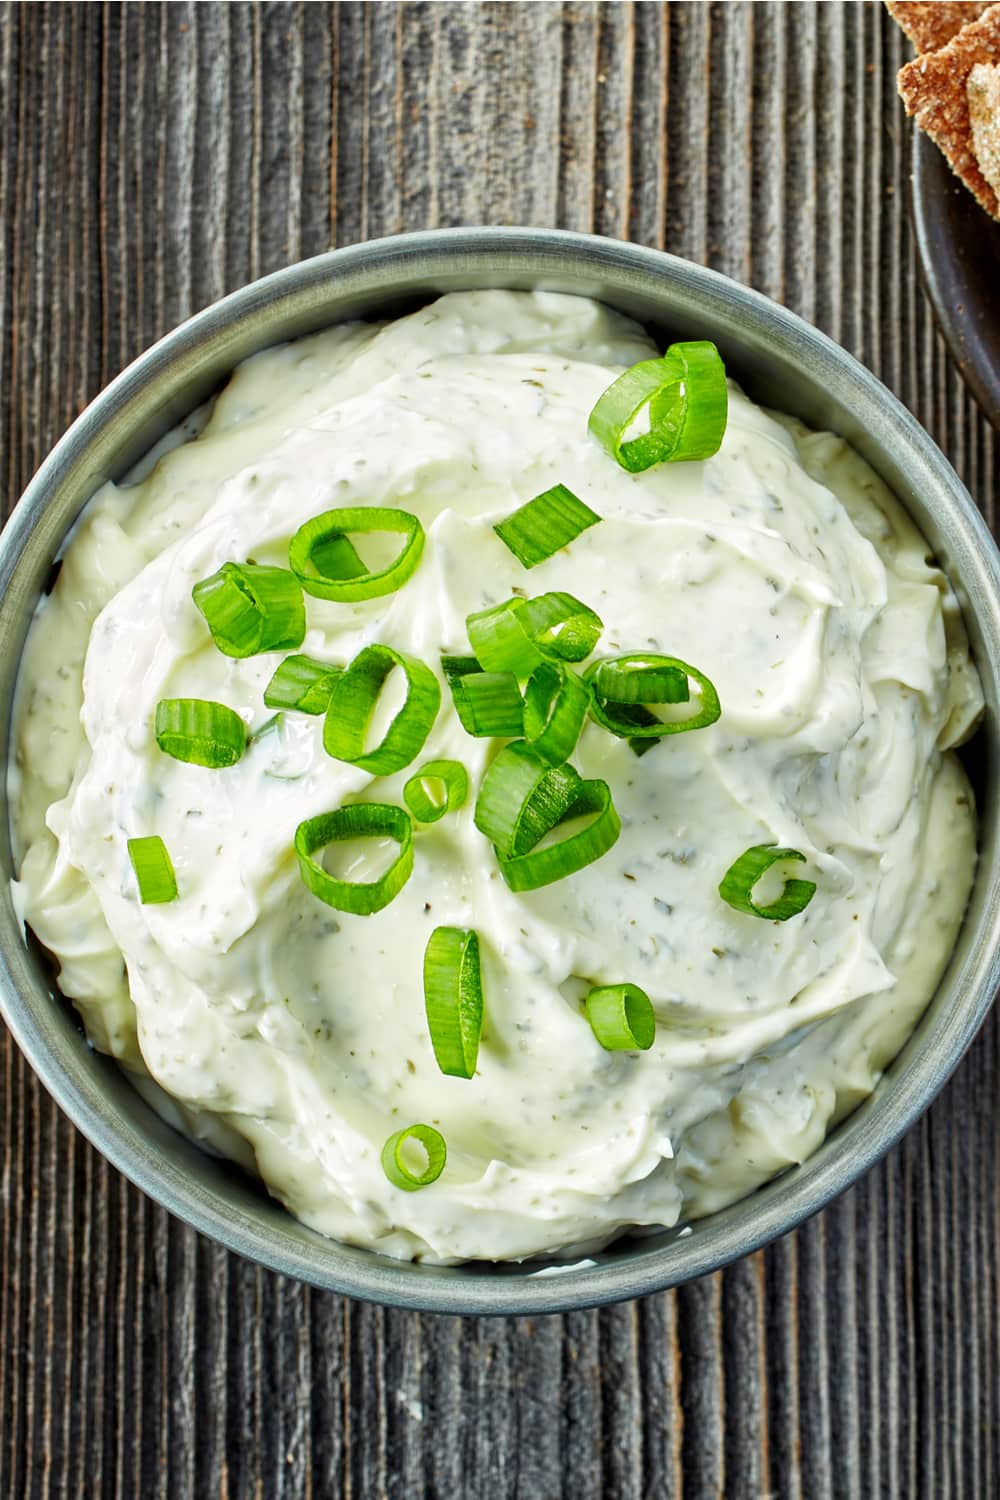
153	157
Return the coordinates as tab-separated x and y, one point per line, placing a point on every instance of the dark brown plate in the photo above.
958	245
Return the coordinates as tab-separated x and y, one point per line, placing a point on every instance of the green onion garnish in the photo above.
421	791
687	402
551	521
501	642
518	635
200	732
326	564
154	870
556	704
422	1140
739	880
621	1017
488	704
459	666
359	820
542	866
521	797
302	683
453	999
352	703
642	678
250	609
660	679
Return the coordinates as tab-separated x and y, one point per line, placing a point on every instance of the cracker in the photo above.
983	90
931	23
934	90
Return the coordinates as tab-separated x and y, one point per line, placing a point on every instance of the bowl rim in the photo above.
780	1205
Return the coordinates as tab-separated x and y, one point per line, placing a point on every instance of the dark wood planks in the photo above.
153	157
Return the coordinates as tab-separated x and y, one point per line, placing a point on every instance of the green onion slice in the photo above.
544	525
658	678
453	999
521	797
518	635
556	704
422	1140
200	732
352	703
302	683
250	609
642	678
686	399
154	870
459	666
632	717
551	862
488	704
326	564
500	640
420	792
737	884
359	820
621	1017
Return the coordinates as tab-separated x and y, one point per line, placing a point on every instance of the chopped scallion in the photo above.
200	732
376	820
250	609
352	704
420	792
453	999
154	870
325	562
621	1017
685	399
736	887
400	1151
545	524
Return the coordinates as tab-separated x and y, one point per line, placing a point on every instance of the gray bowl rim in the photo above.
917	1074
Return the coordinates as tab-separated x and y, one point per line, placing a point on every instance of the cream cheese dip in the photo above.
293	1036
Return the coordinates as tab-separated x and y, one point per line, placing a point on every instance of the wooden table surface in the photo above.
152	157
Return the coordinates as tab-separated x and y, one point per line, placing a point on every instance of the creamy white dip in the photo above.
293	1036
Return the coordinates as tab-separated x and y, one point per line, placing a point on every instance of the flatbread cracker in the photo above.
934	88
983	90
931	23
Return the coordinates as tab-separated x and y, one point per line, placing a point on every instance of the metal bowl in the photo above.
781	362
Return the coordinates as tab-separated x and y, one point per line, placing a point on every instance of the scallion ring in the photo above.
518	635
250	609
686	399
736	886
545	525
642	677
621	1017
325	561
521	797
420	792
359	820
352	703
453	999
154	870
556	704
454	667
662	676
550	862
488	704
303	684
200	732
415	1139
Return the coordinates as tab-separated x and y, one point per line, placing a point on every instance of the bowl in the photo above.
782	362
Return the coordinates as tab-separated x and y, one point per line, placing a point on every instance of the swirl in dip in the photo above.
292	1036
